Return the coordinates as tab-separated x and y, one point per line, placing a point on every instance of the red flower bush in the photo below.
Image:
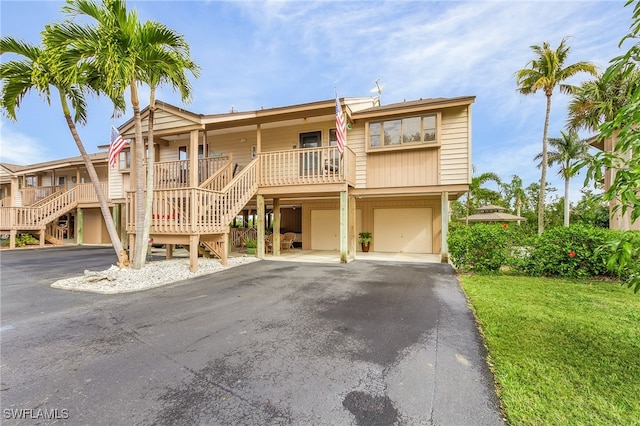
572	254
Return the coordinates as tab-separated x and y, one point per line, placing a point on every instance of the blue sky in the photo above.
275	53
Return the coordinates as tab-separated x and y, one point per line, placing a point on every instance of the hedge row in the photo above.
576	251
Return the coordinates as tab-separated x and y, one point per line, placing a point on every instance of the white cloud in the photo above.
18	148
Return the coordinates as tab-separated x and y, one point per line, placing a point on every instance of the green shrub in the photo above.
24	239
480	248
624	258
570	252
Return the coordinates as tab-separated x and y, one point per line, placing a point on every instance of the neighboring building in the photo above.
401	166
54	200
617	220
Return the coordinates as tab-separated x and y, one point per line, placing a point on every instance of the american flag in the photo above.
341	131
117	144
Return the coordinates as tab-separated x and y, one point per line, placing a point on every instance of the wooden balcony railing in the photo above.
48	209
175	174
197	210
307	166
36	194
38	217
86	192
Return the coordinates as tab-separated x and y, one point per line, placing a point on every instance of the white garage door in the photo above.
325	229
406	230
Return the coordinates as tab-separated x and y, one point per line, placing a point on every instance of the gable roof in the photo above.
98	157
413	106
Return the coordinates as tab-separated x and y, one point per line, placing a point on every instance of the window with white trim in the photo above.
403	131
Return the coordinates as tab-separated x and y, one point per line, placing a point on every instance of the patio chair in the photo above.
286	241
268	244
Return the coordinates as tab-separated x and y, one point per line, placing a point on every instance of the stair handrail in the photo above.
244	185
58	206
40	202
220	178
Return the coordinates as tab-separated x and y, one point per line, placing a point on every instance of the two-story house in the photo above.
279	169
401	165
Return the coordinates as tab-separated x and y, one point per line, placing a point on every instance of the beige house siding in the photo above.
413	167
454	155
238	143
162	120
356	141
116	184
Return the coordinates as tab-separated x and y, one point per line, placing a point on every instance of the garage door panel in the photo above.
407	230
325	228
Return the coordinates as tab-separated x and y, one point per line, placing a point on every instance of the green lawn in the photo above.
563	352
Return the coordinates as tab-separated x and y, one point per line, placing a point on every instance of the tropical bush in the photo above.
24	239
576	251
480	248
570	252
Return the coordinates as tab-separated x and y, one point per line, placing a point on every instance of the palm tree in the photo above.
514	190
125	52
54	67
476	191
599	100
546	72
566	151
172	69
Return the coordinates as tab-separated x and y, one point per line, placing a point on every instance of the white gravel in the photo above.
153	274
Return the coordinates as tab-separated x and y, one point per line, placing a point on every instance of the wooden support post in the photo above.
260	226
79	225
132	242
41	235
12	238
123	226
193	159
444	215
352	243
169	251
194	241
224	259
344	226
258	139
115	214
276	227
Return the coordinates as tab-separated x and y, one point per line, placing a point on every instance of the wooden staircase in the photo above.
40	217
204	212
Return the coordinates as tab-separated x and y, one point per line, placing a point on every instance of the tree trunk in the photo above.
466	221
566	202
140	249
150	166
543	175
102	200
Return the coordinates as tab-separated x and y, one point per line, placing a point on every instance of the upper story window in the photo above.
124	160
403	132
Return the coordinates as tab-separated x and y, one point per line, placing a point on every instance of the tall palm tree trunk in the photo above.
150	166
140	247
93	176
543	175
566	201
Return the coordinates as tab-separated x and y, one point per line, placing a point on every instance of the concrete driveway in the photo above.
267	343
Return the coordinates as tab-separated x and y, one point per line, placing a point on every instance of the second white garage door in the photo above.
325	229
407	230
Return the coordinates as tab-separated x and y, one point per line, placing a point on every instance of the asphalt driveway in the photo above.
265	343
